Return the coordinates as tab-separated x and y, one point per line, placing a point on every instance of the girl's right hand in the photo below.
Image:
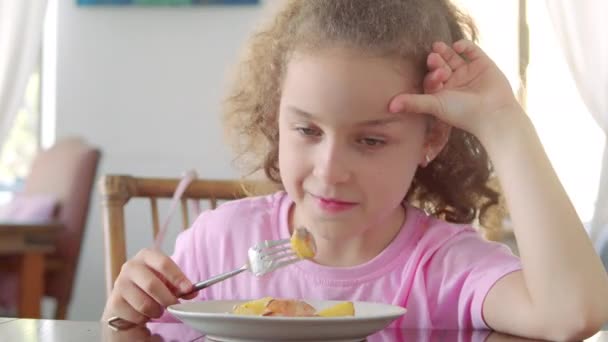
146	285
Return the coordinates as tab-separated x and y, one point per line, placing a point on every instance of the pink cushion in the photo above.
29	208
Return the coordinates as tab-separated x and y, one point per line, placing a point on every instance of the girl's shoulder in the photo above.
455	250
441	231
241	214
222	236
441	238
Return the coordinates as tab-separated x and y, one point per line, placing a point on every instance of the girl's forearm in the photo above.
563	274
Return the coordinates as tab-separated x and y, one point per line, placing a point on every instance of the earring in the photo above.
427	161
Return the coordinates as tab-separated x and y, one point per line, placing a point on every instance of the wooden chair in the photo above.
67	172
117	190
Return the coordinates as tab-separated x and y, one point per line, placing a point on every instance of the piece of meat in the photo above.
289	308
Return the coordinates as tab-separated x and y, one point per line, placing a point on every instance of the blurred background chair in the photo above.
64	173
117	190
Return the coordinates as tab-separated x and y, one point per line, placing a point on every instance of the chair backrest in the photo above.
67	172
117	190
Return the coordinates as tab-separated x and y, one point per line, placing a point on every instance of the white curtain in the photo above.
582	30
21	23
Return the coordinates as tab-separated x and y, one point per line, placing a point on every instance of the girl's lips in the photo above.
333	205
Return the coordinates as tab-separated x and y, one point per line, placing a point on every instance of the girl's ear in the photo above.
437	135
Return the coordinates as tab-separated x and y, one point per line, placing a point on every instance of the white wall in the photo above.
145	85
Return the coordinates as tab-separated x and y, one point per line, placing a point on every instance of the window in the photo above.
22	140
571	138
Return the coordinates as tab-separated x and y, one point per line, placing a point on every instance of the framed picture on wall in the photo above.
167	2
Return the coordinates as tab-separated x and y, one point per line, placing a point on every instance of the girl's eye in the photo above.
372	142
308	131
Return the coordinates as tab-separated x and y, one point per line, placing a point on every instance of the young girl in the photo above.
379	119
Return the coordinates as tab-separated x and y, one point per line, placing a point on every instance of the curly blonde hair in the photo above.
454	186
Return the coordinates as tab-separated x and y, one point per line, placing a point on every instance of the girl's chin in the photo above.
325	224
332	231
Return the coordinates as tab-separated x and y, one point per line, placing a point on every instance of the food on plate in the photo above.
254	307
288	308
338	310
268	306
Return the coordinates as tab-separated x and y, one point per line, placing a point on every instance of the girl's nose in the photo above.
331	165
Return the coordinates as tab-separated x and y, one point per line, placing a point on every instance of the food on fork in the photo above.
303	244
269	306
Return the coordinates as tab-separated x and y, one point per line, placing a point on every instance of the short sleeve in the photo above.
461	273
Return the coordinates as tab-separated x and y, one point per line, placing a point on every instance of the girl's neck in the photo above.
358	249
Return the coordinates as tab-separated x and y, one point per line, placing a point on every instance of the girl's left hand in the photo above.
463	88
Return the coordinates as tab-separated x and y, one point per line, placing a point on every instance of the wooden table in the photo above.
41	330
23	248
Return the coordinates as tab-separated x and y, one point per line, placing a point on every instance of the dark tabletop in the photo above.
12	329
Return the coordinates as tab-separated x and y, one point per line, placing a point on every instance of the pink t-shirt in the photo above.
440	272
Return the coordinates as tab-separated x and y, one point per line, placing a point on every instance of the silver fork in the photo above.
263	258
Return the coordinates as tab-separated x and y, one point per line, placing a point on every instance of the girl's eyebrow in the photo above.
373	122
381	122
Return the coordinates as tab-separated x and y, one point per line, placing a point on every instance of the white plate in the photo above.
214	318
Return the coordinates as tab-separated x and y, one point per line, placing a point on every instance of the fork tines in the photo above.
276	253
